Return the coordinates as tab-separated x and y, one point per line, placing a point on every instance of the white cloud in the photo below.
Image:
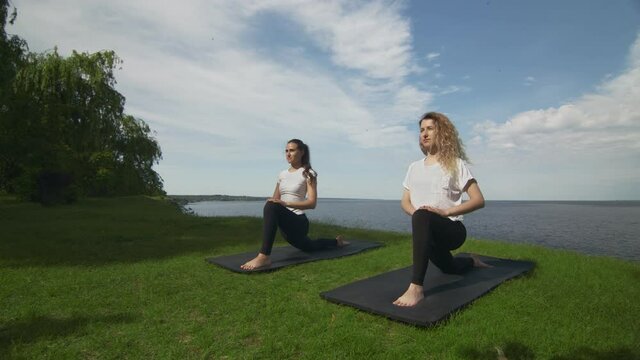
410	101
193	73
190	65
608	119
585	149
529	80
451	89
432	56
368	36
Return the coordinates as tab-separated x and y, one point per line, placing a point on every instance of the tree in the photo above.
12	52
63	130
12	48
136	153
70	121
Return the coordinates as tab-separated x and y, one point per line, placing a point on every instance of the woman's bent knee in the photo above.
271	207
421	215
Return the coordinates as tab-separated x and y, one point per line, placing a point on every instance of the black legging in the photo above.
293	227
434	237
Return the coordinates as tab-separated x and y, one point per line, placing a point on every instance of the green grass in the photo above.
126	278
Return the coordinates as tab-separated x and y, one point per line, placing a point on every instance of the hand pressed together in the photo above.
277	201
441	212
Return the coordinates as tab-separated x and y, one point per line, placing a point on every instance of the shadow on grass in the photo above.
104	231
511	350
532	273
517	351
120	230
585	353
41	327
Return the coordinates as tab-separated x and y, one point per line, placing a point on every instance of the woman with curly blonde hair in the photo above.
433	189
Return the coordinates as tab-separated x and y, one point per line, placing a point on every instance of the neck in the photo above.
432	152
432	156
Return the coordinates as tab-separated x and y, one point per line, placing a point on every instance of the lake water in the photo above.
599	227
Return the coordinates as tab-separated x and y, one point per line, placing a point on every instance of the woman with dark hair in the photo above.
296	191
433	189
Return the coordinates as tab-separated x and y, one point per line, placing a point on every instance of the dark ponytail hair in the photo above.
306	159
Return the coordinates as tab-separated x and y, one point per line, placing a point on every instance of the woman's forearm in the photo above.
466	207
407	207
302	205
475	202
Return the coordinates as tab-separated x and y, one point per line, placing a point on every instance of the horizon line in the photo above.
398	199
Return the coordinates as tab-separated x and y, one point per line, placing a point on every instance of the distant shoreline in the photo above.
186	199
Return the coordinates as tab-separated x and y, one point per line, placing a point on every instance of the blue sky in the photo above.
544	93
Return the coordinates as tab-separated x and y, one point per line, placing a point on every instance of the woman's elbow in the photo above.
480	203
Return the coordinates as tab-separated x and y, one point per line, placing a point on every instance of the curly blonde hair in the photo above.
447	141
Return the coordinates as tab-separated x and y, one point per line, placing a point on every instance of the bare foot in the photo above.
341	241
479	263
411	297
259	261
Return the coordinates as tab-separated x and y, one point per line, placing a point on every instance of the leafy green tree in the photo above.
137	152
73	123
12	48
12	54
63	130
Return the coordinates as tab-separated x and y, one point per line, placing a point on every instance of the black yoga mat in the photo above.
444	293
288	255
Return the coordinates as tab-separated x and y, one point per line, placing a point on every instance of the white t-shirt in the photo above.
293	187
432	185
